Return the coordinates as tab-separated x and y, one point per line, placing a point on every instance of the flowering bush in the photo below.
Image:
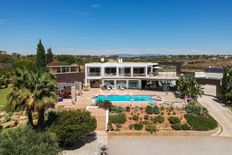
106	104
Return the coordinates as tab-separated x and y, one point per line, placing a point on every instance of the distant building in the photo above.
60	69
2	52
16	54
67	73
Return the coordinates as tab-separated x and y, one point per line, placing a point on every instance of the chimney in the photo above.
119	60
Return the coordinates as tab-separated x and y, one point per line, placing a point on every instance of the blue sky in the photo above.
117	26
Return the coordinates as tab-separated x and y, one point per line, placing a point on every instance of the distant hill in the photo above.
137	55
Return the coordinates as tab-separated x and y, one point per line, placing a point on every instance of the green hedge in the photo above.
158	119
151	128
135	117
119	118
138	126
201	123
176	126
117	109
156	110
174	120
149	110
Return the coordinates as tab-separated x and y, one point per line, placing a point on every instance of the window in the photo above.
124	71
73	69
94	71
133	84
65	69
139	71
110	71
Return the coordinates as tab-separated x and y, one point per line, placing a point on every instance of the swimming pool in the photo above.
125	98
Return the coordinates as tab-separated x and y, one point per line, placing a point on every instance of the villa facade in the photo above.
130	75
61	69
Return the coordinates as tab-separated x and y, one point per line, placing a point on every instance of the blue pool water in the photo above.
124	98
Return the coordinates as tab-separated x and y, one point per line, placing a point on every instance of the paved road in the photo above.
151	145
220	113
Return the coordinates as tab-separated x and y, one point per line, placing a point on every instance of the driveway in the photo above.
161	145
220	113
90	146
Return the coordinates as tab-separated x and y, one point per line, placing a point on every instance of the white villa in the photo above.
129	75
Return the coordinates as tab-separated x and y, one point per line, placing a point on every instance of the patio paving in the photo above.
86	99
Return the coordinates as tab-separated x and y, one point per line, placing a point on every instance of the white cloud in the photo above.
96	5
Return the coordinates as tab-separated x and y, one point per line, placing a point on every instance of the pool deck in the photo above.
87	98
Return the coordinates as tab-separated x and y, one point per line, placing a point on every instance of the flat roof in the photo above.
120	64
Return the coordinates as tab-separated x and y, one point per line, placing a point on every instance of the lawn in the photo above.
3	96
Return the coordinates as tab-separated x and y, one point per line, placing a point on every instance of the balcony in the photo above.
94	74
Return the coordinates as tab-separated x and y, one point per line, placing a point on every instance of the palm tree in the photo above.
46	95
189	87
35	93
22	96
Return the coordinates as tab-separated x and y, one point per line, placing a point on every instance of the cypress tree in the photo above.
40	56
226	94
49	56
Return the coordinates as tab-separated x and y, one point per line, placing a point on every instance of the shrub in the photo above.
118	126
52	116
174	120
70	126
98	102
117	109
162	108
201	123
156	110
151	128
145	122
106	104
131	126
171	108
185	127
159	119
119	118
127	109
162	113
25	141
149	110
146	117
174	113
110	127
138	126
176	126
135	117
193	109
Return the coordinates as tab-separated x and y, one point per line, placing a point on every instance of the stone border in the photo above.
164	133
